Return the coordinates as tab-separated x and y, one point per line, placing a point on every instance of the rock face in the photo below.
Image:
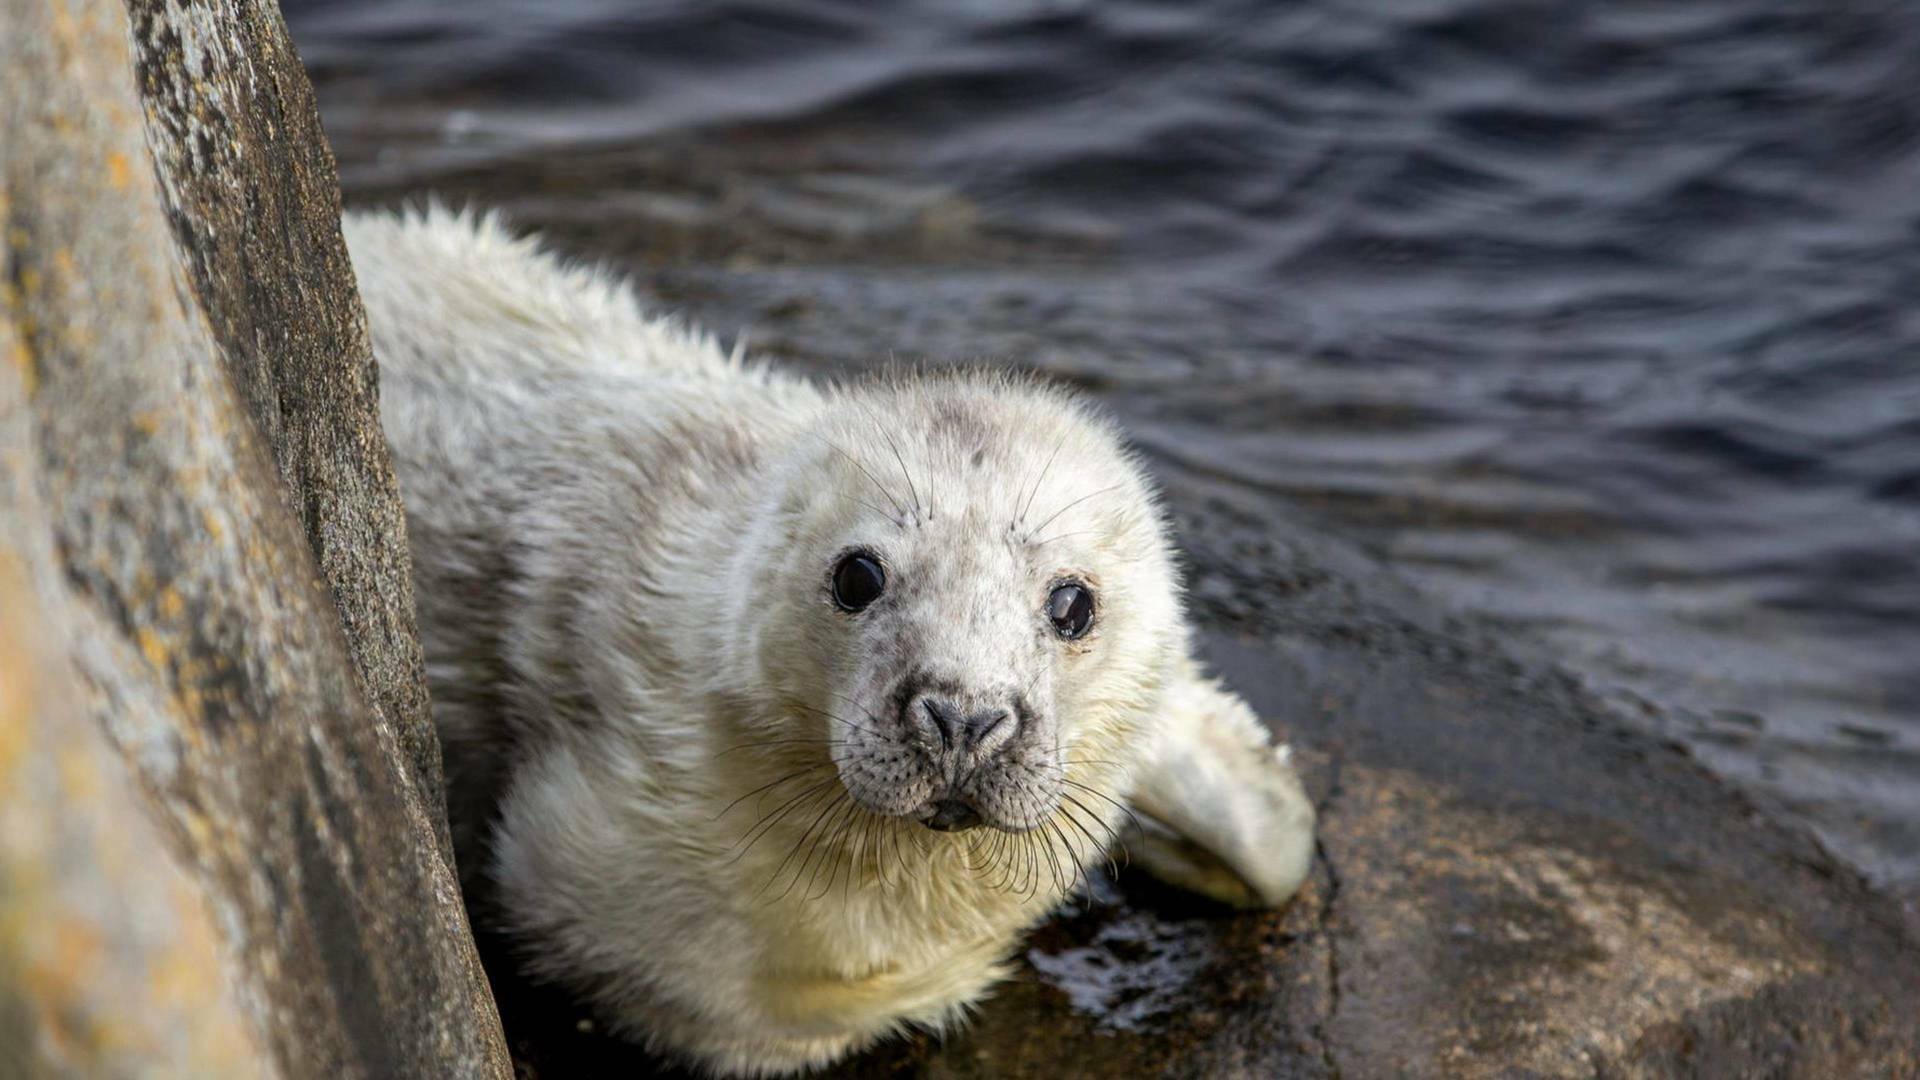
222	850
249	188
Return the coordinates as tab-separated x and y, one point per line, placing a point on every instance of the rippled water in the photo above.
1597	319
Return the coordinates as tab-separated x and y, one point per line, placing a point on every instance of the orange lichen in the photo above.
119	172
152	648
16	674
78	773
70	952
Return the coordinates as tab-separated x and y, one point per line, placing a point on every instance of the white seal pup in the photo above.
773	712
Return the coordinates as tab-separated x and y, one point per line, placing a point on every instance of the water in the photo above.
1596	320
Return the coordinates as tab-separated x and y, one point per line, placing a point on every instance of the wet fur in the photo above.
671	759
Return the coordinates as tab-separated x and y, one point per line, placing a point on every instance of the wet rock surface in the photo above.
221	841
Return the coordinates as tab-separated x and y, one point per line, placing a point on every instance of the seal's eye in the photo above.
1070	608
857	581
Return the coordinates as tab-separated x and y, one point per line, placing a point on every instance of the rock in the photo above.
222	846
108	957
249	187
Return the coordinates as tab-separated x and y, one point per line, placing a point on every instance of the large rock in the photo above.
222	850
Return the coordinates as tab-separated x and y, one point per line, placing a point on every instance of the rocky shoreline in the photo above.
222	850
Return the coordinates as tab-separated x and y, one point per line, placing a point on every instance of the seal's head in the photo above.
964	596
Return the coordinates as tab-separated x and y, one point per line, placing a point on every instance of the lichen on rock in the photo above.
225	848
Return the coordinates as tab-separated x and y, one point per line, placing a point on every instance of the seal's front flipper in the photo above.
1221	810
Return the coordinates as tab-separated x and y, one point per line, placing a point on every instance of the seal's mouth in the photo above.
951	815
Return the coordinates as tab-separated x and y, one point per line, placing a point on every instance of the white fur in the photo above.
621	540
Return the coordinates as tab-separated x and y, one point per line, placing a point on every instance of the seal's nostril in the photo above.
946	719
984	723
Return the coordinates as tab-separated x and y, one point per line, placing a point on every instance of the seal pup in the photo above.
773	712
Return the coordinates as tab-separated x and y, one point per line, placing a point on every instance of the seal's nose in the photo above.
952	815
966	733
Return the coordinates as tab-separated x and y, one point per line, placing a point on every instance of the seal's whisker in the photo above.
868	505
976	850
829	714
853	854
898	458
1056	514
856	848
1113	835
759	829
1097	846
1016	866
899	509
1105	849
1053	861
1062	536
1003	857
1115	841
1032	888
902	461
846	698
1010	863
1029	786
1035	490
795	850
831	855
880	827
778	742
823	847
1079	865
796	774
1097	793
1019	862
890	837
869	833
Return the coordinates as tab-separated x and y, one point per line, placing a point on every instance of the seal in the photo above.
773	712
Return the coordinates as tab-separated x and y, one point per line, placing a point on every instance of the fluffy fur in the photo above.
690	782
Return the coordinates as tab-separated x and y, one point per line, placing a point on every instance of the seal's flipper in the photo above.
1221	810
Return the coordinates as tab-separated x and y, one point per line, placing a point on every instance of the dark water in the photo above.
1596	320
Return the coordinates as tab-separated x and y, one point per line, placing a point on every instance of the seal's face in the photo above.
979	581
